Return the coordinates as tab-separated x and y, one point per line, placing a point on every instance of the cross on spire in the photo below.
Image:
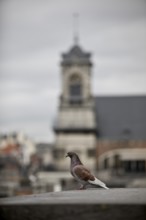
76	28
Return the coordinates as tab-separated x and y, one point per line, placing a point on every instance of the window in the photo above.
106	163
75	89
117	161
59	153
134	166
91	152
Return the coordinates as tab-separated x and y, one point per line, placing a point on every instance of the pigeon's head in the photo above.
71	154
75	160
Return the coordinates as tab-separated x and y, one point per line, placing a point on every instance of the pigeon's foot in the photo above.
82	187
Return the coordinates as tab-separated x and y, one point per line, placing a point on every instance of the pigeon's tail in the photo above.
105	187
98	182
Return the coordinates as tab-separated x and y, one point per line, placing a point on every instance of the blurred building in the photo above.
112	126
121	132
44	151
121	139
15	155
17	144
76	124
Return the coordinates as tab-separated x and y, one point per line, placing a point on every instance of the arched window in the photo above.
106	163
75	89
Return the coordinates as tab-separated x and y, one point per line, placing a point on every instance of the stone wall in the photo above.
115	204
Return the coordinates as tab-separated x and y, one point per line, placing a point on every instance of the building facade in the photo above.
108	132
15	155
75	126
121	143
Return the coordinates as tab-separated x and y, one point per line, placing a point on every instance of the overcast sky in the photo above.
34	33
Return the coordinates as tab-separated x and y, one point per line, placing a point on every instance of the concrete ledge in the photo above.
92	196
90	204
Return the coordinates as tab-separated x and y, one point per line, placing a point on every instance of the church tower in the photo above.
75	126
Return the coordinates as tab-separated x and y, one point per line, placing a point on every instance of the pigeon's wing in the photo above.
83	173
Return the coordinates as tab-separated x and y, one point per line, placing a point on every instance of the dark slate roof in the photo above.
76	56
121	117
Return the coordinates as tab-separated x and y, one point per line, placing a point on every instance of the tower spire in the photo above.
76	28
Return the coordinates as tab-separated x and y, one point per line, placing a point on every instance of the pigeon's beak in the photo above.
66	155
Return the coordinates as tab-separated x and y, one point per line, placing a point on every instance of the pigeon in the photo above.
81	173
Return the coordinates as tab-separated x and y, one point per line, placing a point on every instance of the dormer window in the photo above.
75	89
